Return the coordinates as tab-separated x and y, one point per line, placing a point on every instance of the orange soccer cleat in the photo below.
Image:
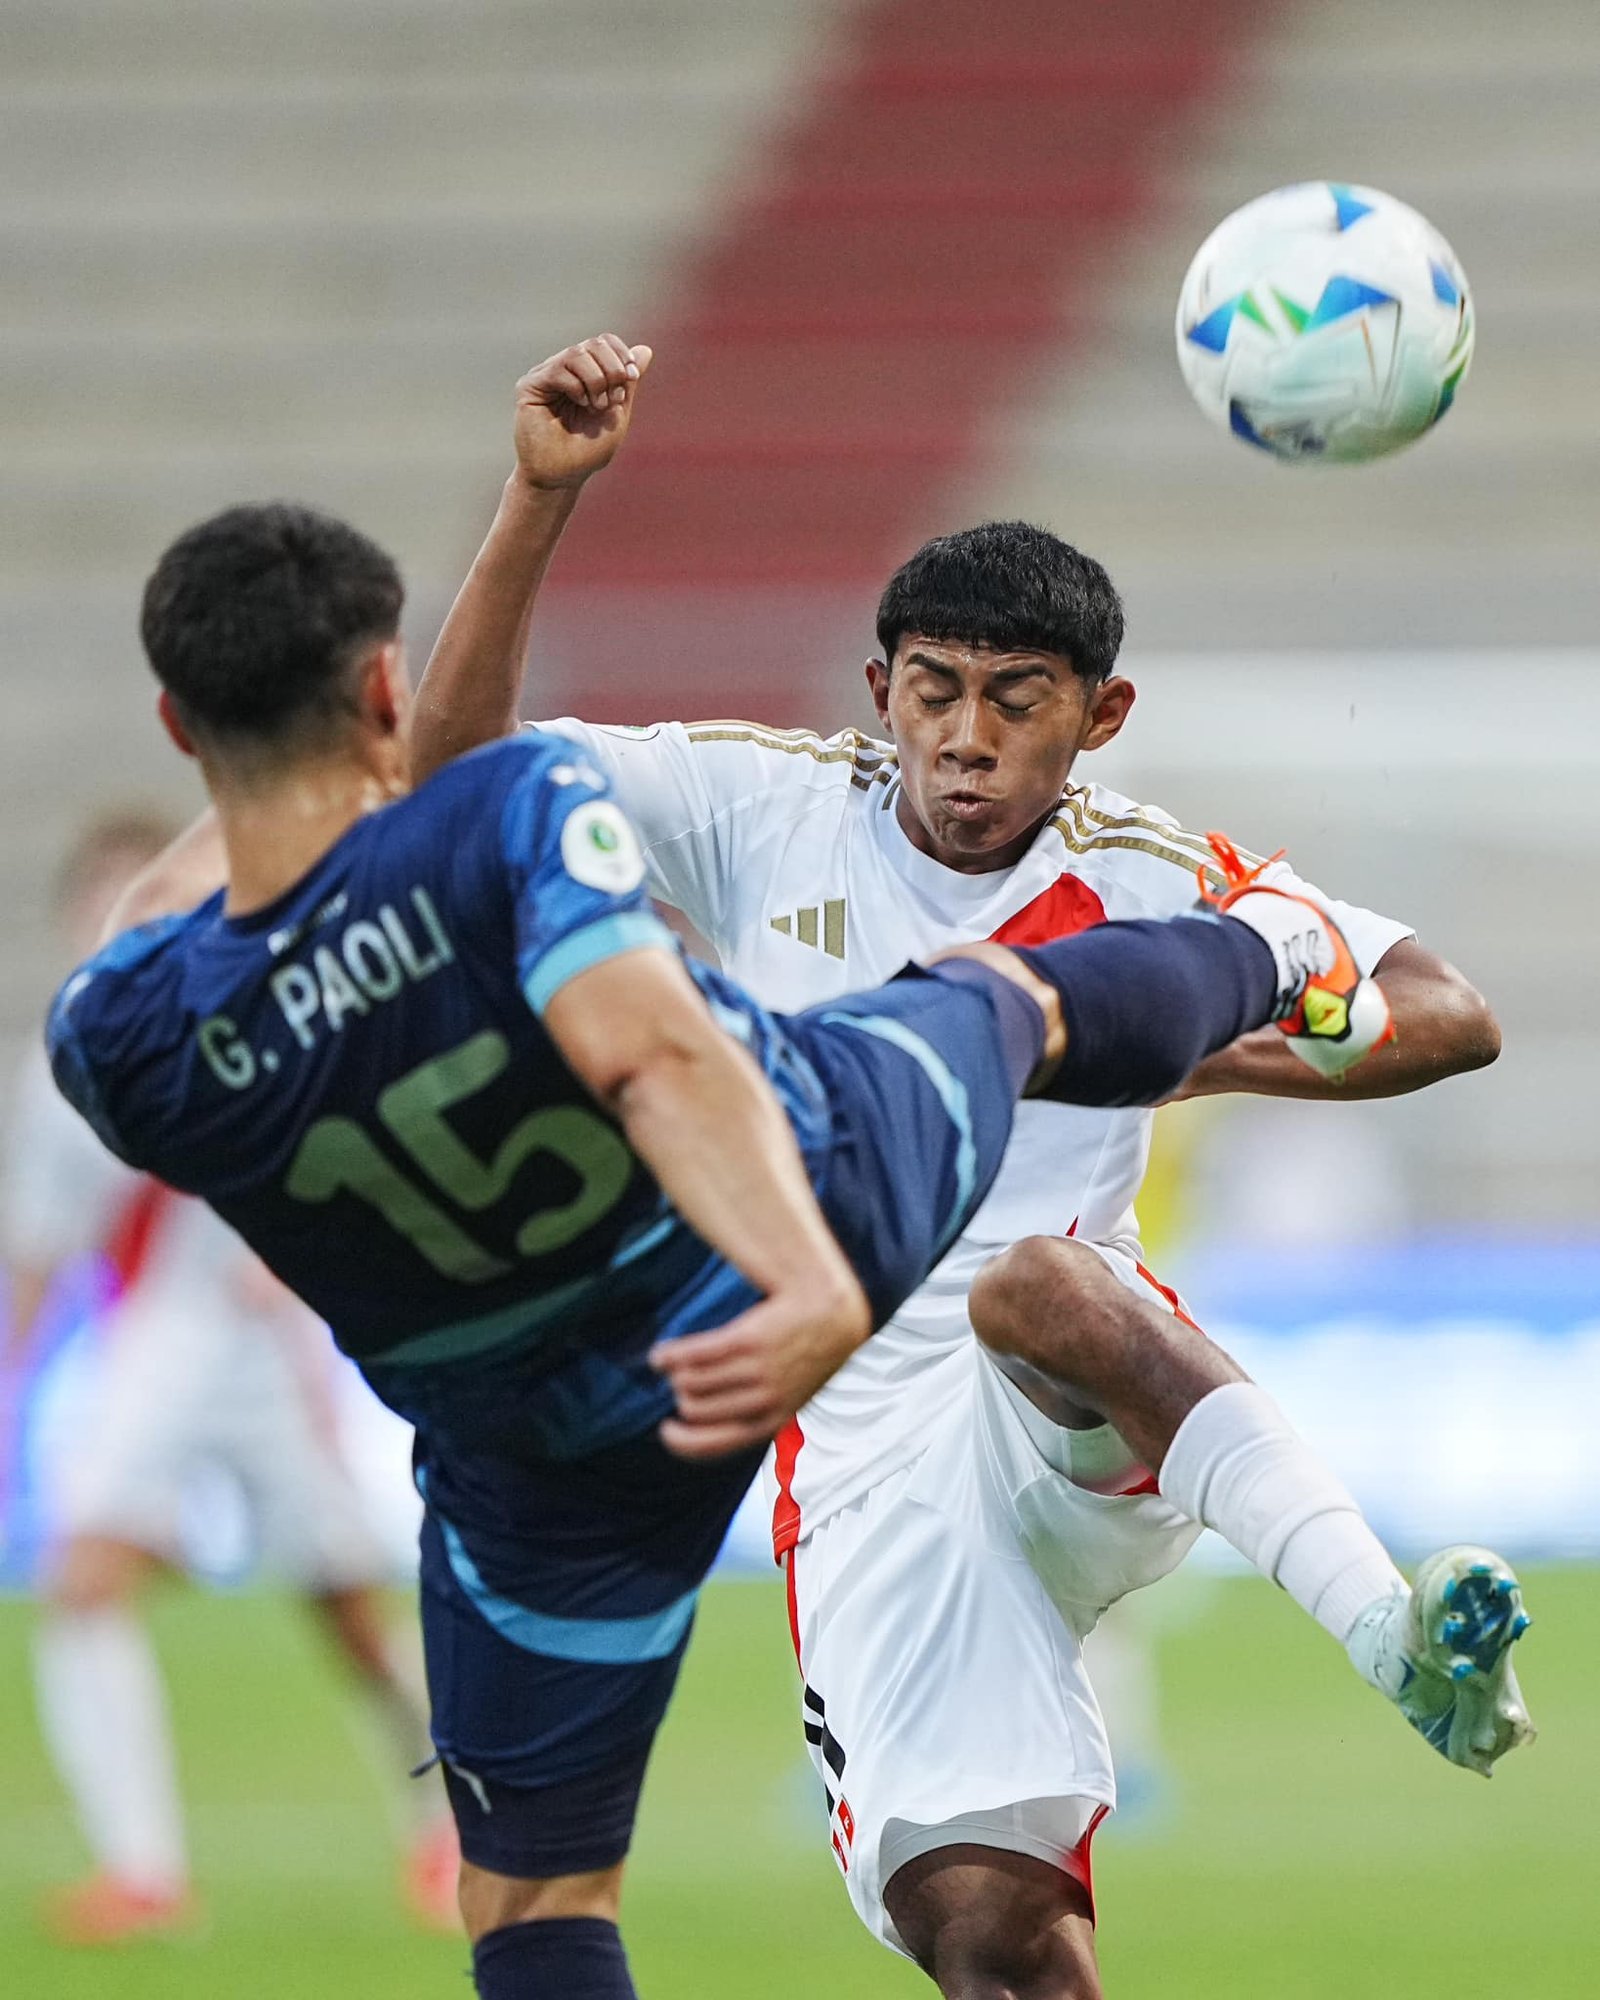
106	1910
1332	1015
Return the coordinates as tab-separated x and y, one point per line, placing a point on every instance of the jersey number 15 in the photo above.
337	1156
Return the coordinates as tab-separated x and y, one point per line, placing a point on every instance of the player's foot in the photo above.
432	1869
1331	1014
105	1910
1442	1654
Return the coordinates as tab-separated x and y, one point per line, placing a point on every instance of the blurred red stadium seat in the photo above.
928	226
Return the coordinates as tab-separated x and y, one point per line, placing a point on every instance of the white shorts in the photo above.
176	1391
939	1623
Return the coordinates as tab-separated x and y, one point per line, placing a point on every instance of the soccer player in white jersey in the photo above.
953	1514
203	1358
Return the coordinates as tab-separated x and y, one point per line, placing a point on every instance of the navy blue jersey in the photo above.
358	1079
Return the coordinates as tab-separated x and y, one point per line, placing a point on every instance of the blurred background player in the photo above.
203	1359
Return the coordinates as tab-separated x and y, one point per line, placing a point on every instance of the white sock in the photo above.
1238	1465
104	1715
1293	931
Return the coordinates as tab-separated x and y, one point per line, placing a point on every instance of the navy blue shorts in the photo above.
544	1718
558	1594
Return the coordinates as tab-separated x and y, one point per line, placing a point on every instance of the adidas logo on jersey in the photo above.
819	925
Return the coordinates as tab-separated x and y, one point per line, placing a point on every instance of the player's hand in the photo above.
738	1385
573	410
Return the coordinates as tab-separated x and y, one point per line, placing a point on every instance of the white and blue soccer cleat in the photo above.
1442	1654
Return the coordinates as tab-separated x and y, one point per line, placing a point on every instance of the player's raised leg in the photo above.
1132	1008
1225	1453
1116	1015
1228	1457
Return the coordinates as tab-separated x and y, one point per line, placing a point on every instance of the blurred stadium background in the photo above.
905	263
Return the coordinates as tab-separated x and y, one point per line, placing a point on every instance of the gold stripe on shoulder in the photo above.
867	758
1177	835
735	729
1093	824
1081	840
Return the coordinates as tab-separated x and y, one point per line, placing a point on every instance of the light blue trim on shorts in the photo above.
608	937
597	1642
952	1095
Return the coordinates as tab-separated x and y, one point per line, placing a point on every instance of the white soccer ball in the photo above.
1325	322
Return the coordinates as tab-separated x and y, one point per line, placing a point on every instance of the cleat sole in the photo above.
1476	1714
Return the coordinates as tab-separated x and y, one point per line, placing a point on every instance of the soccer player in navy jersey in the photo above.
586	1215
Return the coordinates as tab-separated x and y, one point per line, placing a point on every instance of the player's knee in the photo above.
989	1925
491	1902
94	1574
1033	1302
1001	959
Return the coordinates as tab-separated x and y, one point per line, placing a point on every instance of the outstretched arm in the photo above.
701	1116
1443	1026
573	411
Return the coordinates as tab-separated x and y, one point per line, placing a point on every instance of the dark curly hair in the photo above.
251	619
1008	586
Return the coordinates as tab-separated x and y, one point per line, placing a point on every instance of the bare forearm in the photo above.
1263	1065
708	1127
1443	1027
473	681
573	412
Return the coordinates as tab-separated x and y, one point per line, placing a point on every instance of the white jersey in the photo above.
786	852
206	1361
62	1195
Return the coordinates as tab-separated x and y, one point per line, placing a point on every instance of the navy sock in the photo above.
554	1958
1145	1001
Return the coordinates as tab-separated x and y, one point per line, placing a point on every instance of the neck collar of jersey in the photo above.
949	888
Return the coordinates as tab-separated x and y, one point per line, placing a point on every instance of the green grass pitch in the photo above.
1315	1850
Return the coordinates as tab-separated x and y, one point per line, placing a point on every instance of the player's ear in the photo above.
1108	711
172	723
878	684
385	687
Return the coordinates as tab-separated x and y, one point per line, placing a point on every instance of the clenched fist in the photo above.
573	410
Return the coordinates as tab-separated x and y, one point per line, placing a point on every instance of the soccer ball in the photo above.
1325	322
